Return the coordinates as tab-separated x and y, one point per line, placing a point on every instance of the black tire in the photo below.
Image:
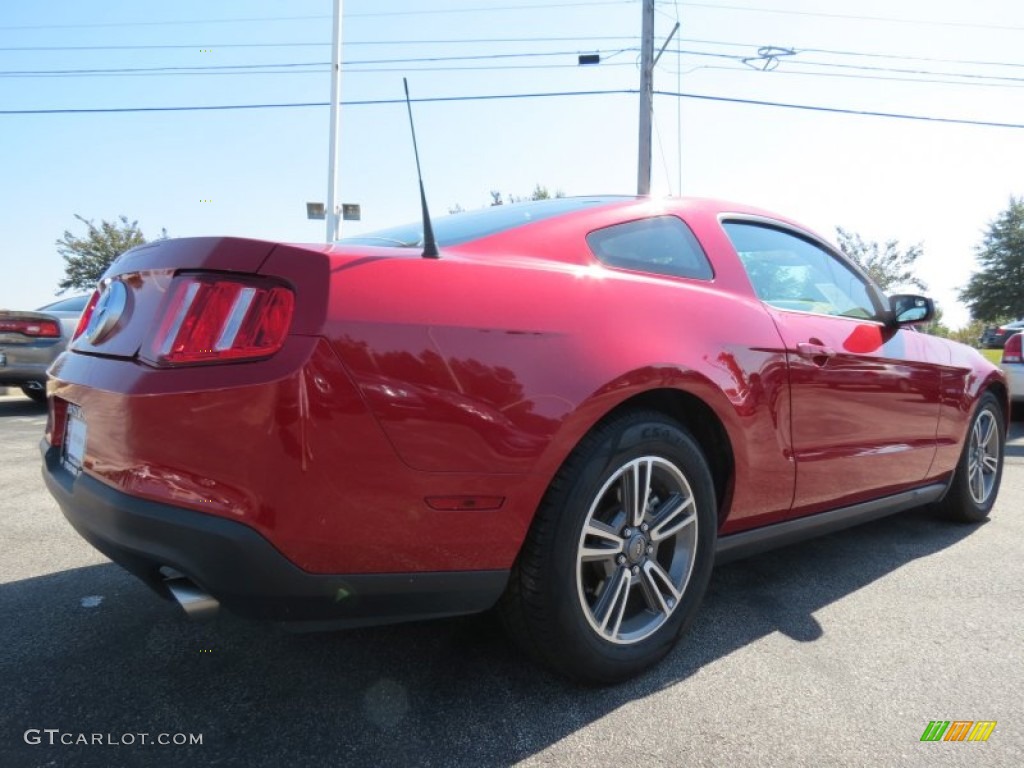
646	580
38	395
1017	410
978	473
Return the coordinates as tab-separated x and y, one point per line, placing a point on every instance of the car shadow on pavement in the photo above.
91	650
20	406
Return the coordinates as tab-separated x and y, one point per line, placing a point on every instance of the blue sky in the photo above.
915	181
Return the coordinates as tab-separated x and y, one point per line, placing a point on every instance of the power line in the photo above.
373	65
363	65
855	17
351	63
368	14
326	68
156	70
865	54
507	40
479	68
975	78
896	70
481	9
902	57
348	43
363	103
509	96
94	25
925	75
841	111
748	70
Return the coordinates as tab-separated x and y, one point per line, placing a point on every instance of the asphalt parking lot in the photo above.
836	652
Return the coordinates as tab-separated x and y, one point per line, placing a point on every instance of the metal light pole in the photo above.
332	162
643	175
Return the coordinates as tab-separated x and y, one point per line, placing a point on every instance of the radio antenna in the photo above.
429	243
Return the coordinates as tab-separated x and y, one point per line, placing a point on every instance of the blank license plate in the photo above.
74	439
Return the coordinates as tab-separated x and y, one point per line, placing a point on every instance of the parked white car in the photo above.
1013	366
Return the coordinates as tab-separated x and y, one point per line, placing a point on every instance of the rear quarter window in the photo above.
662	245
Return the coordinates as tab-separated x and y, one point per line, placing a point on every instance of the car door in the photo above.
865	395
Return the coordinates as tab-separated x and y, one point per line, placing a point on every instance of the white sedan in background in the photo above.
1013	366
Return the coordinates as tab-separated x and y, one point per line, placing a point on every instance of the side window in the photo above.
790	272
663	245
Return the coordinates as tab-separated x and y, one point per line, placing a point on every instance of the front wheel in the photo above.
978	473
620	552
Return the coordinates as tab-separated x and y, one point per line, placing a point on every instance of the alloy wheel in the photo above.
983	456
636	550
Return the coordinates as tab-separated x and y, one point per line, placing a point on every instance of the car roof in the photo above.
468	226
69	304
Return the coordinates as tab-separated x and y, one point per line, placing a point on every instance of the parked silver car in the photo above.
30	341
1013	366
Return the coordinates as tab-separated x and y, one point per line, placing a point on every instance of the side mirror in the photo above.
908	309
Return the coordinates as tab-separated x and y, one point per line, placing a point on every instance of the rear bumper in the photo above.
244	571
24	363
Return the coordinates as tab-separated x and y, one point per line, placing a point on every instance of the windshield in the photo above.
472	225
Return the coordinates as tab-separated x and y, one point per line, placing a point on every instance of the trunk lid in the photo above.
28	327
146	273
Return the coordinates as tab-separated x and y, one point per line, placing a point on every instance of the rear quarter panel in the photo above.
501	364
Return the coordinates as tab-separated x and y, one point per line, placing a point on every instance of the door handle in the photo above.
816	351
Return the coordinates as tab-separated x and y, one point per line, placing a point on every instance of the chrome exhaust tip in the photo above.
197	604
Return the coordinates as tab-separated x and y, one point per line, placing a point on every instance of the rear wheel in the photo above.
39	395
976	481
620	553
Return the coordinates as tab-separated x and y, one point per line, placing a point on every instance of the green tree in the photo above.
540	192
936	327
996	291
970	334
87	258
890	266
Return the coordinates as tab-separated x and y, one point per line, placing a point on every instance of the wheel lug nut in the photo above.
644	527
636	569
621	560
627	533
650	549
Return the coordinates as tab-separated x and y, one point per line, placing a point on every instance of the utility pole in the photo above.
643	175
332	161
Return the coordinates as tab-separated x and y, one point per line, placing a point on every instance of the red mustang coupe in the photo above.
569	413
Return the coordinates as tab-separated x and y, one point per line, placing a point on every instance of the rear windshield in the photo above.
473	225
74	304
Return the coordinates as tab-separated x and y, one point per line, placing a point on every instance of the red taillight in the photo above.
1012	350
56	421
83	321
214	318
37	329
